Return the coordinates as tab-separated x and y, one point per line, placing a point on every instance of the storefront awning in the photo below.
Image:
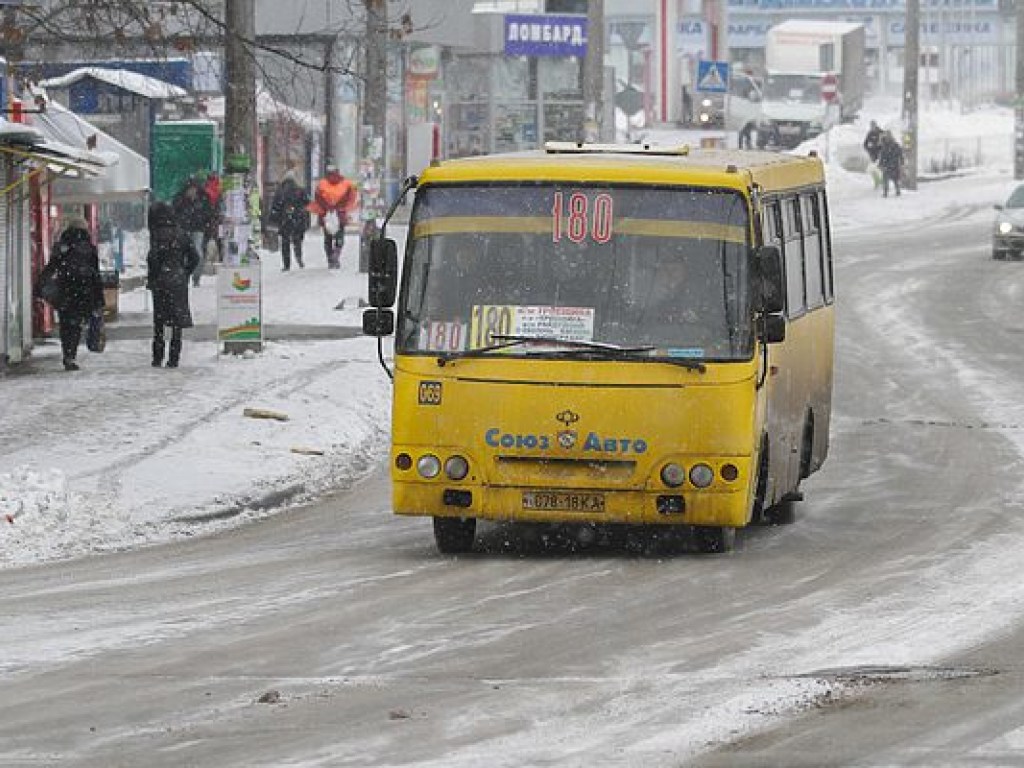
24	143
127	179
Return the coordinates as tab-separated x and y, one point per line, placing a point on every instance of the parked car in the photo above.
1008	229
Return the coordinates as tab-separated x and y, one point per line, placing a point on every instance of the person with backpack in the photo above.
71	284
873	142
890	160
289	214
172	259
195	213
334	200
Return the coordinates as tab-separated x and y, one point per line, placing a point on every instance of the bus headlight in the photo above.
1005	227
429	466
673	475
456	468
701	475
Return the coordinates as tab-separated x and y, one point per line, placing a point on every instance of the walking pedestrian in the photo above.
873	141
334	200
172	258
211	241
872	145
890	161
74	273
194	212
288	212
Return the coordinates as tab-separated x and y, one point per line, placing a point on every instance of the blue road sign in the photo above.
712	76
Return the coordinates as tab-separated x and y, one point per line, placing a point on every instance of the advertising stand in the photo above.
239	278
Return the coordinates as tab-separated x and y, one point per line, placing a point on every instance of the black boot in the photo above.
158	353
175	353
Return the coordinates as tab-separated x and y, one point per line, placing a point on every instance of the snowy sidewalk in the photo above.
120	453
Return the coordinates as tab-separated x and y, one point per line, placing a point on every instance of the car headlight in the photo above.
706	103
456	468
429	466
673	475
701	475
1004	227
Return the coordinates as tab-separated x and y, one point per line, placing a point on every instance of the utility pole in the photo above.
1018	102
239	80
375	92
593	73
330	88
911	56
374	141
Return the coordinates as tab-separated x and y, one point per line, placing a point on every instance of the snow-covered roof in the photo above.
267	107
143	85
24	142
127	178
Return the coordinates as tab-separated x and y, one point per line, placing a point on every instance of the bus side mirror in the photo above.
378	322
773	330
383	272
769	271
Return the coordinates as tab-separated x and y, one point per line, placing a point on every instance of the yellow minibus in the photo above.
608	334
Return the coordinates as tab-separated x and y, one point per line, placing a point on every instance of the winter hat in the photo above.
76	222
161	214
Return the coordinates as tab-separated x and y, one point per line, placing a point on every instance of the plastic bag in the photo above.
50	289
96	334
332	223
876	174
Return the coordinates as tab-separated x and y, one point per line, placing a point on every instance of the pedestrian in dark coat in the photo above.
890	161
195	215
288	212
172	258
75	266
873	141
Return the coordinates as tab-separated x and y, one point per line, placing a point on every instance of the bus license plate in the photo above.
563	502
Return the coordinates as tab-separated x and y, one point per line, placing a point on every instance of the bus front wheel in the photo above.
454	535
715	539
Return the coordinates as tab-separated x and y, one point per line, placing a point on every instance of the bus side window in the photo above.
826	248
770	222
812	251
796	299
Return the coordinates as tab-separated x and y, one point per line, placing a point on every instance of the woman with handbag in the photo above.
172	258
71	284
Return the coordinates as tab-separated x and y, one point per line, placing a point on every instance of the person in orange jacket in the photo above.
333	202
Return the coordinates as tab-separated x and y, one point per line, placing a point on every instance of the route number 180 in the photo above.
580	217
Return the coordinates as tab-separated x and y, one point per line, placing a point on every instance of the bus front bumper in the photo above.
548	505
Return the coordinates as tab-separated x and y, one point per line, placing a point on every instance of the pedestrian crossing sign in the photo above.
712	76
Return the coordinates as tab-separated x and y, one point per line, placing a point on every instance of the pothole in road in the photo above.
868	674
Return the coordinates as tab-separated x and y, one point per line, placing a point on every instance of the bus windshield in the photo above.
662	271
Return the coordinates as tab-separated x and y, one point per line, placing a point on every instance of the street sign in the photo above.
829	87
712	76
629	100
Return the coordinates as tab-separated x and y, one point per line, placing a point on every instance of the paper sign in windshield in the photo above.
565	323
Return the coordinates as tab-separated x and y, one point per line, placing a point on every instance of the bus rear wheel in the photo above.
715	539
454	535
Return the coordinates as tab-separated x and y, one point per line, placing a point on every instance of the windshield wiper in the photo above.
506	340
447	357
577	347
575	343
